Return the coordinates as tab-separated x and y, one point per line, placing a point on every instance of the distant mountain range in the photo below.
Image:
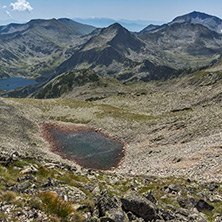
154	53
131	25
43	49
211	22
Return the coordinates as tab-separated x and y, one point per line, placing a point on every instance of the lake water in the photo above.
12	83
88	148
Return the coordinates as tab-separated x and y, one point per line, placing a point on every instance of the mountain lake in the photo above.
12	83
88	148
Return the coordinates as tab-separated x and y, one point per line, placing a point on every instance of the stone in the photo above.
73	194
50	183
115	215
212	186
187	203
29	170
173	187
139	205
105	203
131	216
202	205
150	196
26	177
20	187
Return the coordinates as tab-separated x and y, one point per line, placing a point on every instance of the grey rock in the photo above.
21	187
203	205
139	205
50	183
115	215
131	216
167	215
212	186
29	170
174	188
150	196
72	194
187	203
105	203
26	177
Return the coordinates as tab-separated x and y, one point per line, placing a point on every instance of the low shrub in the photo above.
56	205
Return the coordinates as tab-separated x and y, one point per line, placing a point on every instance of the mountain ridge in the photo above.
51	47
211	22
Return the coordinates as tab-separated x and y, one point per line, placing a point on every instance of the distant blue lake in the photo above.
88	148
12	83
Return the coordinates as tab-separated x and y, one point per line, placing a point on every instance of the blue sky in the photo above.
157	10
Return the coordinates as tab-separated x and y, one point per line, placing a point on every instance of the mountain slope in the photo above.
108	53
67	82
34	49
184	44
149	28
48	28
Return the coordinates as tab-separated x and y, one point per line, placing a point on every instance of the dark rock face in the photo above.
203	205
124	39
92	56
139	205
157	72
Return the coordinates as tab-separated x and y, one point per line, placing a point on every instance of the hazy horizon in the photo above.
158	10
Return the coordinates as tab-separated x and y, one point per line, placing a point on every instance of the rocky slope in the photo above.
176	45
176	124
172	167
115	52
182	43
36	189
36	48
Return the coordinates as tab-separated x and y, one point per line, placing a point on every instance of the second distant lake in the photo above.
12	83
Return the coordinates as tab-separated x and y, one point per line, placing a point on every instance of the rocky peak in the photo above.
114	29
149	28
211	22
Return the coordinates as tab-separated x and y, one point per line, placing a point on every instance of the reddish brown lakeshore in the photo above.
55	146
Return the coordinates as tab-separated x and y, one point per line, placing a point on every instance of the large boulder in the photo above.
202	205
187	203
115	215
139	205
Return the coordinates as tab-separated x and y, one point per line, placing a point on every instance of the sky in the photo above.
154	10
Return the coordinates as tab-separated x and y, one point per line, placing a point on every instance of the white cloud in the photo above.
8	13
21	5
4	6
